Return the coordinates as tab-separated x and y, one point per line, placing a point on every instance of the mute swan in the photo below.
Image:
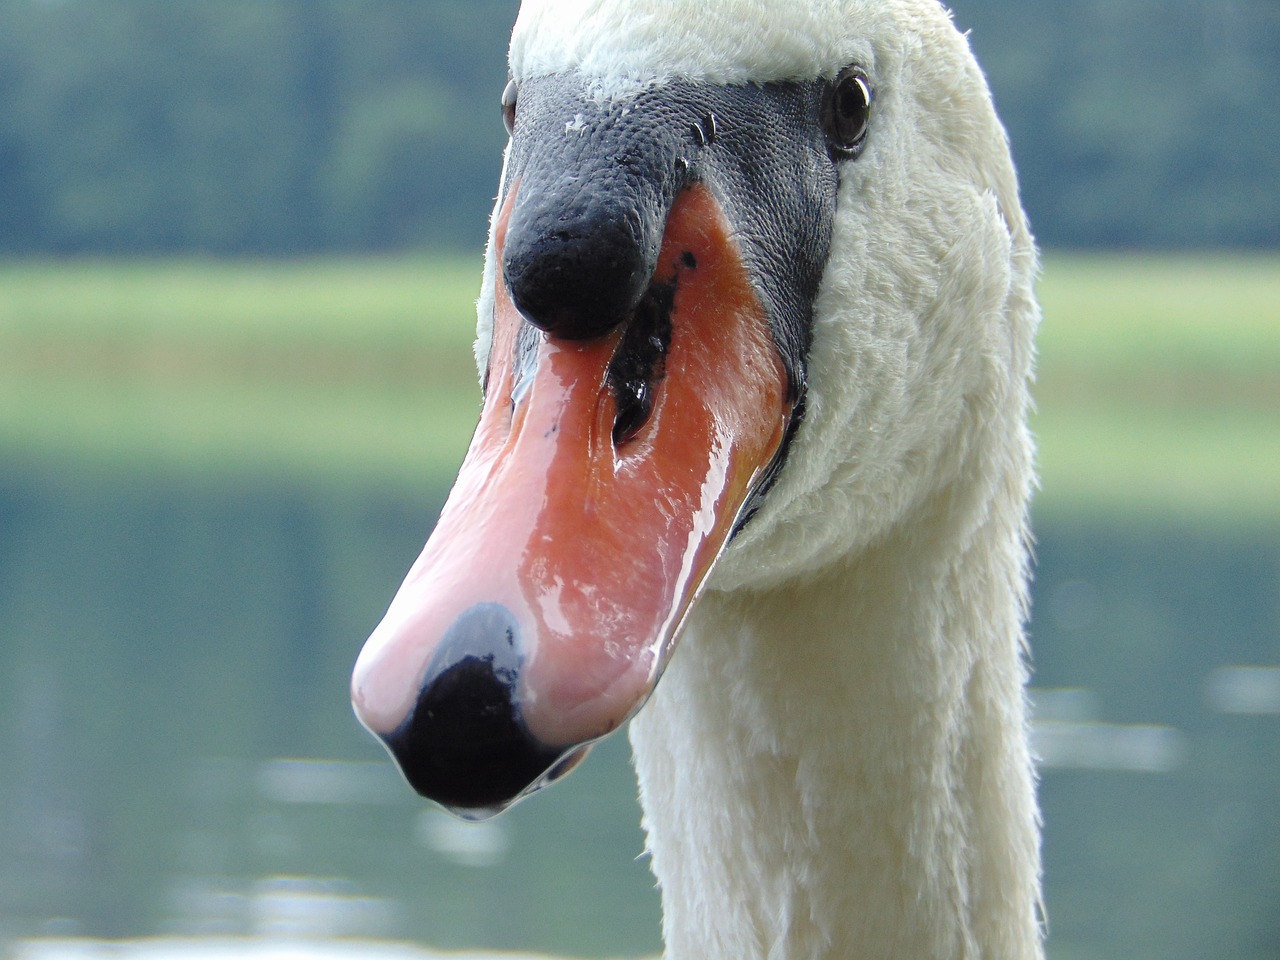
755	335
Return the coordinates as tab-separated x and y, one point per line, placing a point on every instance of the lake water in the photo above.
177	756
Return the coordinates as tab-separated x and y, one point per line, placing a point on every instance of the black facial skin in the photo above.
597	181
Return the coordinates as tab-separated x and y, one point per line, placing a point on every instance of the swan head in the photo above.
757	289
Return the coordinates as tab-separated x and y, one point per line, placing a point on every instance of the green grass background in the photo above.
1158	391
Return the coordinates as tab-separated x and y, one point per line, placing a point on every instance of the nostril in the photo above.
635	404
639	364
465	745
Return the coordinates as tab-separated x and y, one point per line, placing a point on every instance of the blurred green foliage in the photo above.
264	126
294	126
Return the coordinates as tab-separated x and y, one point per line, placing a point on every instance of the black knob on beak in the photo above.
576	263
465	745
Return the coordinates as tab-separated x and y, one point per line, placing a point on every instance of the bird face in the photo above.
657	259
655	281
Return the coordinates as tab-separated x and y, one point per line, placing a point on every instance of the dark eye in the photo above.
509	106
846	111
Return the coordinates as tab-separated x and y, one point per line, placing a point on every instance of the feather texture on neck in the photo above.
838	769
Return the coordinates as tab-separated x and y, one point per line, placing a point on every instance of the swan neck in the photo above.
839	768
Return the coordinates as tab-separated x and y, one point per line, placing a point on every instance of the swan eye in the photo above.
509	106
846	111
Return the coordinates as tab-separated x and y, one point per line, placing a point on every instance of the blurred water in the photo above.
177	756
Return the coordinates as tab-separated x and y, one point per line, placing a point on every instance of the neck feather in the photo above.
839	768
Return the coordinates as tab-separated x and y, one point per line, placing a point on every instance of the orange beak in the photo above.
543	608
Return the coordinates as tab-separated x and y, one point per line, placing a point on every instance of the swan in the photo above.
755	340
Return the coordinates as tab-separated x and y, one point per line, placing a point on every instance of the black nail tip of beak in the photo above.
465	746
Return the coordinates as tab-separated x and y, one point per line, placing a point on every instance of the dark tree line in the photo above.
1139	122
295	126
259	126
